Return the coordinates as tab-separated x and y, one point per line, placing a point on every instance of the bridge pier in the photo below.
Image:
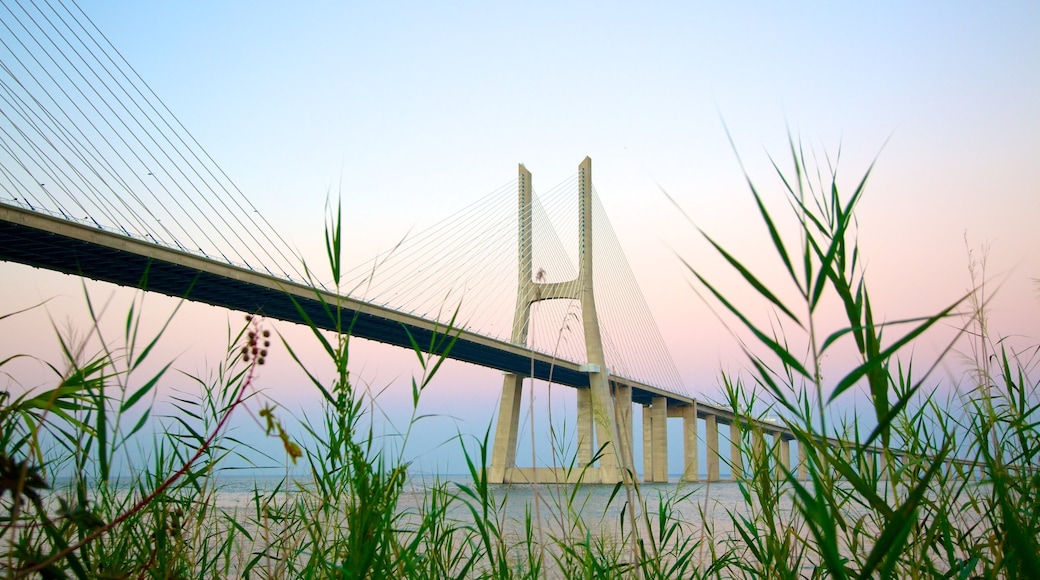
503	468
803	463
648	450
503	451
604	417
655	441
758	458
783	463
623	410
711	436
659	438
736	459
586	443
691	466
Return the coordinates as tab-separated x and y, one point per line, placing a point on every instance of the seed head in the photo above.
252	350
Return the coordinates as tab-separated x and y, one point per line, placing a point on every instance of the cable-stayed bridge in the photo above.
34	235
99	179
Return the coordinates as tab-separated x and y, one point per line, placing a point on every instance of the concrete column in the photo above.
783	462
606	428
503	450
736	460
599	379
759	459
711	435
691	466
659	435
623	408
586	443
803	462
648	449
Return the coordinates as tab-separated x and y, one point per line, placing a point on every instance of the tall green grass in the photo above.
887	503
76	502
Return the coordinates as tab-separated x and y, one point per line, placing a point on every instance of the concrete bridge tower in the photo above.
604	414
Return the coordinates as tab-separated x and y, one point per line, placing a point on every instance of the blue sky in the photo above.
413	110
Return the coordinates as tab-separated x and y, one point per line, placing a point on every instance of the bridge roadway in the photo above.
52	243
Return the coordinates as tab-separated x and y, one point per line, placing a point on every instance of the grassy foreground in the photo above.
901	513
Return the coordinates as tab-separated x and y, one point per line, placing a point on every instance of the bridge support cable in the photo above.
13	136
38	134
193	157
459	262
189	146
70	91
111	151
468	261
63	162
635	347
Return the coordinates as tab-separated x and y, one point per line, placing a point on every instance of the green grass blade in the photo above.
771	344
753	281
144	390
877	361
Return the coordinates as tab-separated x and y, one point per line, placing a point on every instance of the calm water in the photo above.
597	505
600	512
703	507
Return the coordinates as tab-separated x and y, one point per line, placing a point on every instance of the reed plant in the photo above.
918	484
883	496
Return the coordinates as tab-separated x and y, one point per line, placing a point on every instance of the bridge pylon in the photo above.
604	412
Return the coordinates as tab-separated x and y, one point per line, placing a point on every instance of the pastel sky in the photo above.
411	111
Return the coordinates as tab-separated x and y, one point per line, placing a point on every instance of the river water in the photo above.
705	511
604	509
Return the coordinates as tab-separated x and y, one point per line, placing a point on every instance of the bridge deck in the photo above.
55	244
43	241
